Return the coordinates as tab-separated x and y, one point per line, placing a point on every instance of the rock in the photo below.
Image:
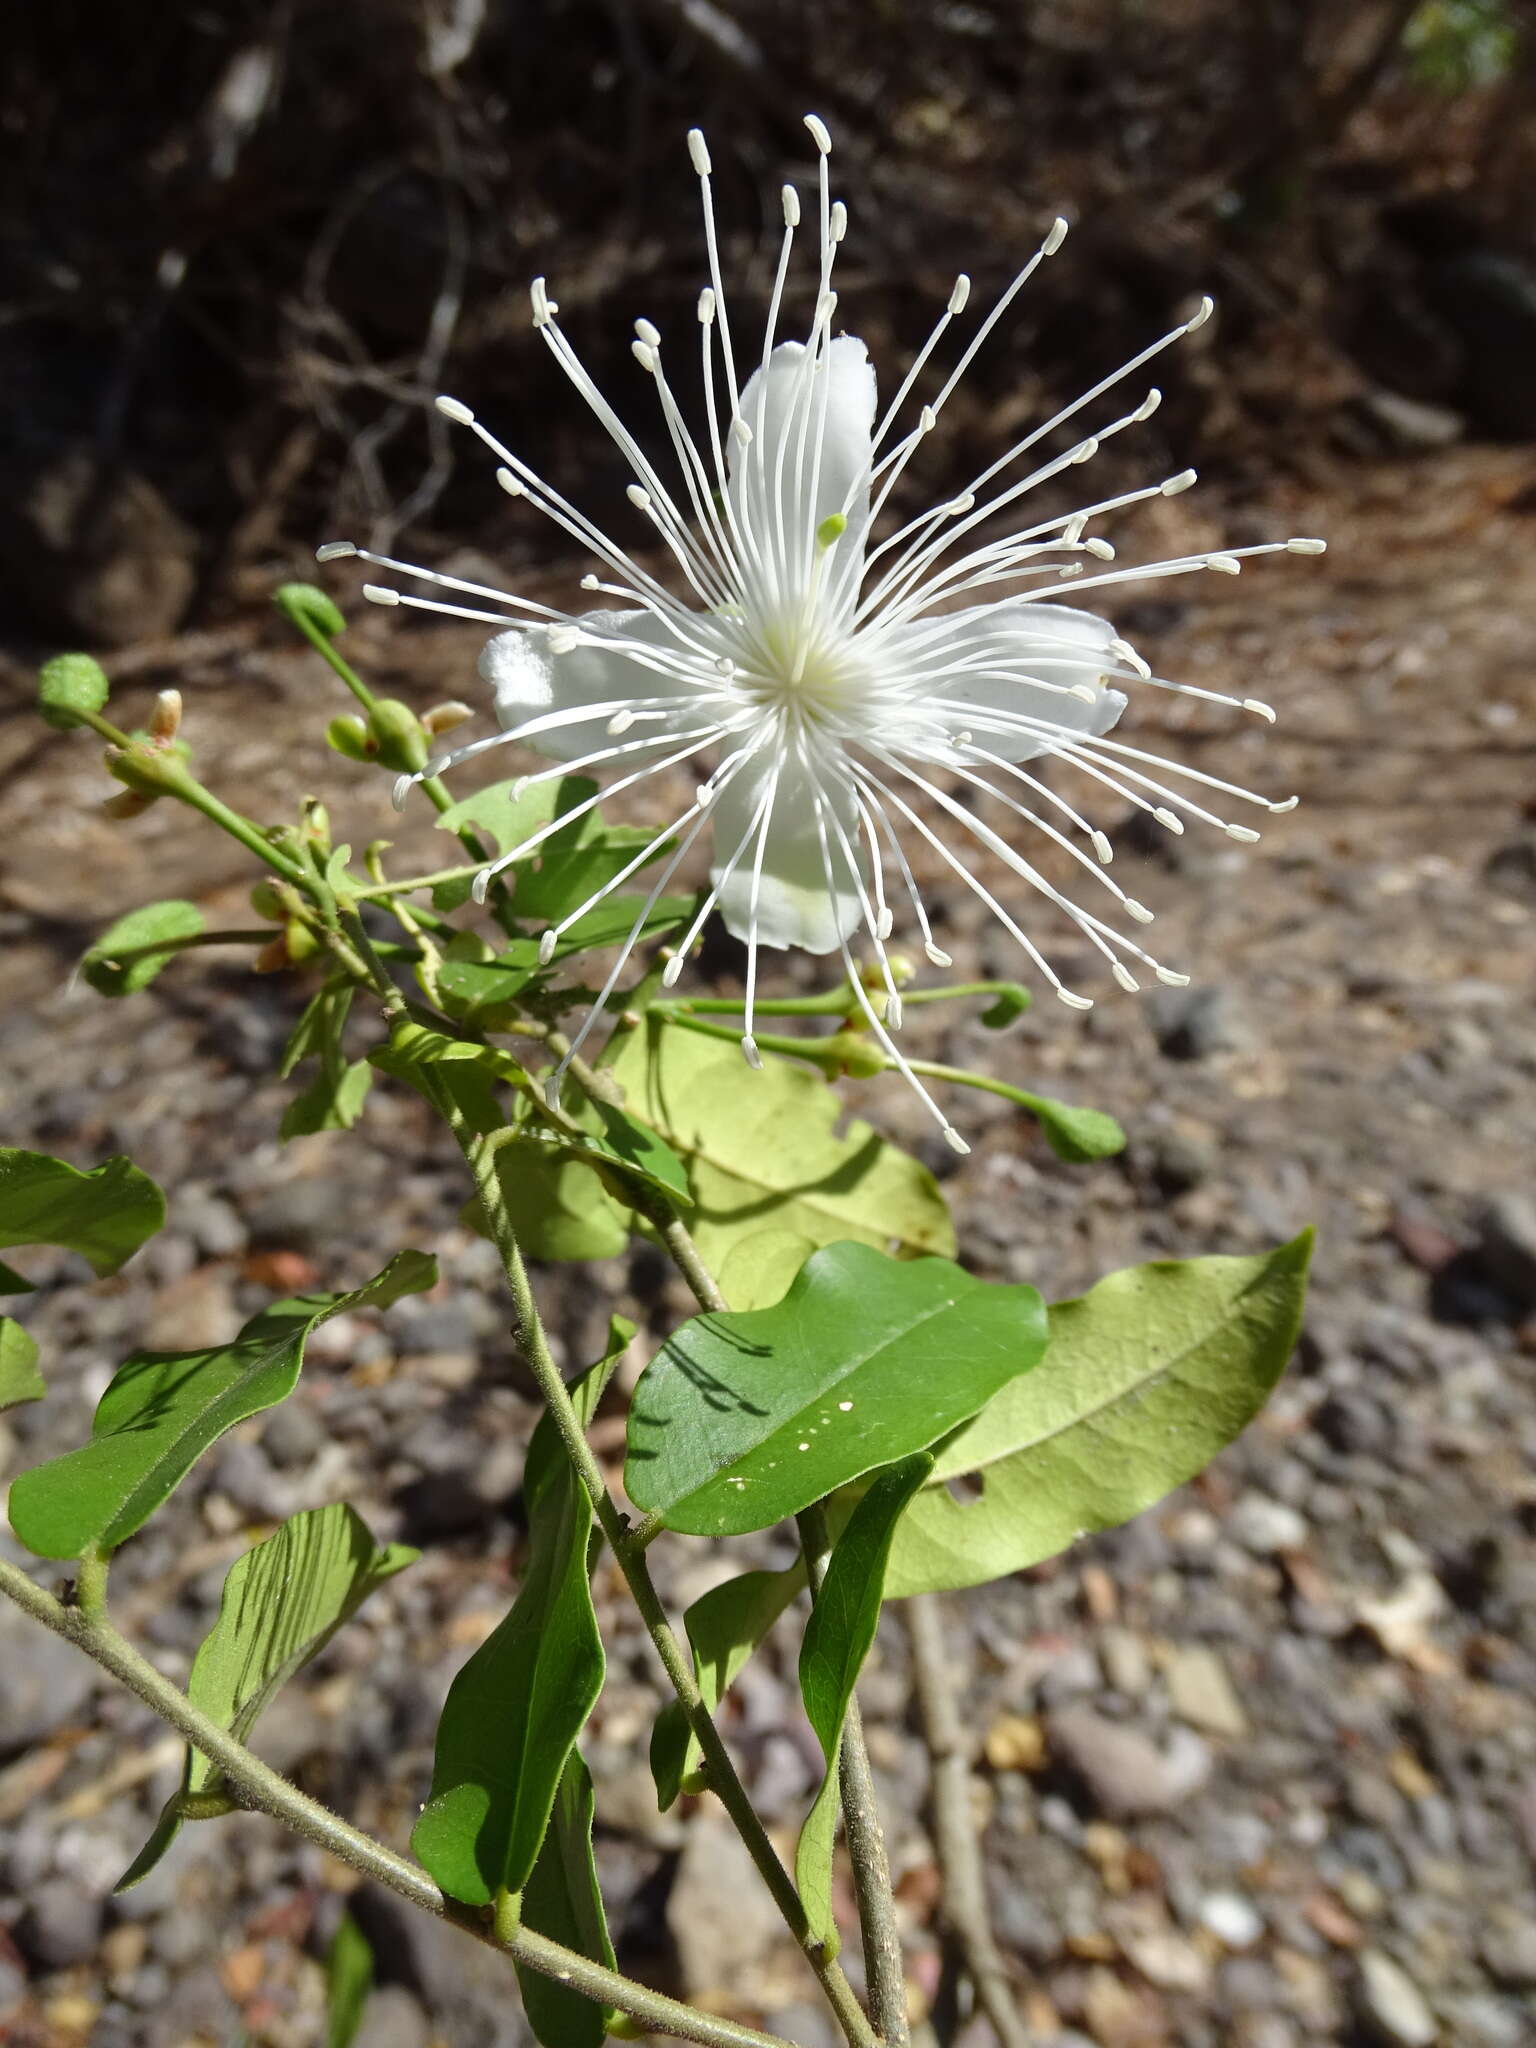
243	1473
1235	1920
1166	1958
720	1951
392	2018
1177	1161
292	1434
45	1683
1194	1023
1352	1423
1511	868
1391	2006
1015	1742
1202	1694
1509	1950
809	2026
61	1926
301	1214
1412	425
1506	1245
1122	1768
214	1225
1127	1667
1264	1526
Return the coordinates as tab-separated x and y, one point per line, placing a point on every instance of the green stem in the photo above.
479	1156
327	653
884	1966
269	1792
91	1585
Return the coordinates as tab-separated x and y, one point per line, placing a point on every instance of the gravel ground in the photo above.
1259	1769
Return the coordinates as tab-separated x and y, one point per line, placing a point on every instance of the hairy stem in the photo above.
267	1791
964	1899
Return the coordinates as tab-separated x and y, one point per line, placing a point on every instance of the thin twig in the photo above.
964	1898
267	1791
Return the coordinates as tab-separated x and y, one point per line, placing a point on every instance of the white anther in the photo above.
1169	979
455	409
1055	238
791	200
1124	976
644	355
724	666
335	550
884	923
927	420
1085	450
707	305
698	152
893	1012
741	433
1148	405
1181	482
837	222
641	500
819	135
958	505
547	945
562	639
1202	313
621	721
1122	650
1138	911
543	305
1243	834
1085	693
959	295
380	593
401	790
750	1053
1285	804
826	306
510	484
1306	547
480	887
648	332
1100	843
1170	819
954	1141
671	974
1073	1002
937	954
1224	565
1260	709
1101	550
590	582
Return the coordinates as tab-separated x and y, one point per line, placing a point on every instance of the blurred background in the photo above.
1258	1771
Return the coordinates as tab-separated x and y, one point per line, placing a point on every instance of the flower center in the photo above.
802	662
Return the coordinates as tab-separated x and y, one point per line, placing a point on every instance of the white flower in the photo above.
818	665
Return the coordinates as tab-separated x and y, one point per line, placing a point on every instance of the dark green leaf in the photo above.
725	1626
104	1215
644	1152
282	1602
348	1981
837	1640
1147	1377
613	920
1009	1001
483	992
562	1901
514	1711
744	1418
164	1408
773	1150
505	813
317	1035
412	1046
1078	1135
331	1102
20	1379
130	953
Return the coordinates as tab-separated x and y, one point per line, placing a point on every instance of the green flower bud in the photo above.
267	902
299	941
151	767
307	605
348	735
69	685
398	739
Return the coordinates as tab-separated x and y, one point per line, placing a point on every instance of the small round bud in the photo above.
444	717
299	942
348	735
69	685
397	736
267	902
309	606
165	719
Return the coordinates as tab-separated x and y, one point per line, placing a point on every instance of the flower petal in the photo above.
529	680
1004	652
794	906
777	483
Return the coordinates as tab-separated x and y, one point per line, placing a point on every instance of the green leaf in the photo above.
483	992
1147	1377
563	1902
744	1418
772	1150
1077	1135
514	1711
317	1035
164	1408
130	953
348	1981
412	1046
104	1215
505	813
558	1206
643	1152
837	1640
20	1379
757	1271
1009	1001
331	1102
612	921
725	1626
282	1602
